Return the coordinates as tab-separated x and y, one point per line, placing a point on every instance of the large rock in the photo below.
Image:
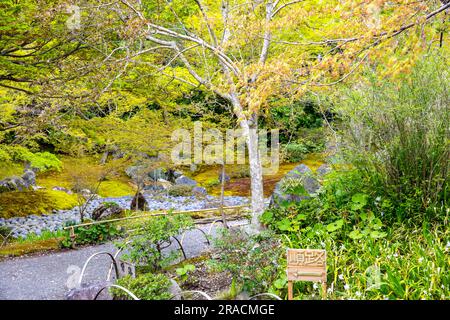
185	180
107	210
177	174
160	185
14	184
139	203
29	176
323	170
88	194
88	291
301	175
175	290
199	191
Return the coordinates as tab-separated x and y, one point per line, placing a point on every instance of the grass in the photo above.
412	263
32	243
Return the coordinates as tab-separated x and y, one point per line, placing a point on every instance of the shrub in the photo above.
211	183
180	190
294	152
251	260
239	172
184	272
145	244
43	161
92	234
146	287
397	135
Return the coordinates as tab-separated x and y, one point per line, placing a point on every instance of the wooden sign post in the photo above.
306	265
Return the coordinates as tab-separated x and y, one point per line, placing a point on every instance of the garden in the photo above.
154	150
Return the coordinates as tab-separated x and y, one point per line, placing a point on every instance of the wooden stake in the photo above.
72	236
324	290
290	290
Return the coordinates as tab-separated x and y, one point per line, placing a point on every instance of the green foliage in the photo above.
293	186
291	118
184	271
296	151
43	161
360	237
148	286
44	235
9	169
109	204
252	261
397	135
4	232
144	245
180	190
24	203
92	234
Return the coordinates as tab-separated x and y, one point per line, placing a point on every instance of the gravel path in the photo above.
44	277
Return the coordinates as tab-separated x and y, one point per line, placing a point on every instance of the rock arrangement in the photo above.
25	182
107	210
37	224
304	179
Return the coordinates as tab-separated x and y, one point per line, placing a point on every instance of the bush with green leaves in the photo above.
148	286
144	245
397	134
43	161
251	260
91	234
184	271
297	151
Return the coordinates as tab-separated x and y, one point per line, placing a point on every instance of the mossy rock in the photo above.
24	203
180	190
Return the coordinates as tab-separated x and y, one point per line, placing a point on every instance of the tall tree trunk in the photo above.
256	178
222	191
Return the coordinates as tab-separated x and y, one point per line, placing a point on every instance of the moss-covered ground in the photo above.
24	203
88	170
